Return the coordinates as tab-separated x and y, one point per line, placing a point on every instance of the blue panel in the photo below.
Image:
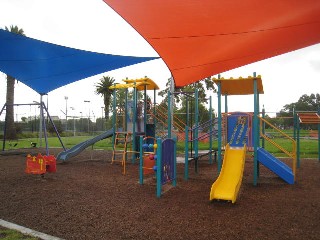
275	165
44	66
167	161
237	129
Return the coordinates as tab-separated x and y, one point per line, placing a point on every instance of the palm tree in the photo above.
11	130
103	88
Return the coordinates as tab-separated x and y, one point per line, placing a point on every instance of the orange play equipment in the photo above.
40	164
149	155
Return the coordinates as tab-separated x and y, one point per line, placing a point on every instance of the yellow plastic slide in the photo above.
227	186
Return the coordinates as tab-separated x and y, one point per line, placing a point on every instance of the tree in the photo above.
204	114
180	103
57	124
202	86
103	88
10	127
305	103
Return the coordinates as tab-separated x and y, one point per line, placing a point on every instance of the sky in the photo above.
93	26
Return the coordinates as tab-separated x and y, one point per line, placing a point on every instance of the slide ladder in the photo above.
227	185
120	148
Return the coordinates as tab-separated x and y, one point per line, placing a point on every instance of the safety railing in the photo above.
207	133
290	154
161	113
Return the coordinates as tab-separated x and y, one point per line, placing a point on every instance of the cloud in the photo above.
315	64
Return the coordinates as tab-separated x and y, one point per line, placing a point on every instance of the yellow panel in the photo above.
239	86
121	85
138	83
151	85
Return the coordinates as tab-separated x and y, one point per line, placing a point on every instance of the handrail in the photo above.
207	134
207	123
290	154
160	121
177	122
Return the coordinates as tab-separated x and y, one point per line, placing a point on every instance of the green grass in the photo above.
8	234
54	142
308	146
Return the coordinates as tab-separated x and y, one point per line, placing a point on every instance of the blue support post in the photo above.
294	124
319	136
125	117
226	103
114	104
141	161
44	127
211	130
134	120
126	111
263	126
159	168
186	153
258	120
55	129
154	107
255	132
169	115
196	133
174	182
219	127
145	110
298	142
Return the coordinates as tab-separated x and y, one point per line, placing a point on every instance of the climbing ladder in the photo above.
120	148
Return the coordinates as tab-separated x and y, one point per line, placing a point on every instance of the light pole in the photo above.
93	127
102	121
66	98
35	118
81	122
74	123
87	101
40	119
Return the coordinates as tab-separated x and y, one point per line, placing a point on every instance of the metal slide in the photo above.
227	186
75	150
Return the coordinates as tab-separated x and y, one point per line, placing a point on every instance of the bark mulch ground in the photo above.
89	198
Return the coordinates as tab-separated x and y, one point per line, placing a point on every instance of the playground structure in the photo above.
238	132
133	118
130	119
160	158
136	134
192	137
305	118
242	132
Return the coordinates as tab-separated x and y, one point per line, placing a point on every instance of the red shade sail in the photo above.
197	39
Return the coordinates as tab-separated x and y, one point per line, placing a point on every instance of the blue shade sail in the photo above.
44	66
